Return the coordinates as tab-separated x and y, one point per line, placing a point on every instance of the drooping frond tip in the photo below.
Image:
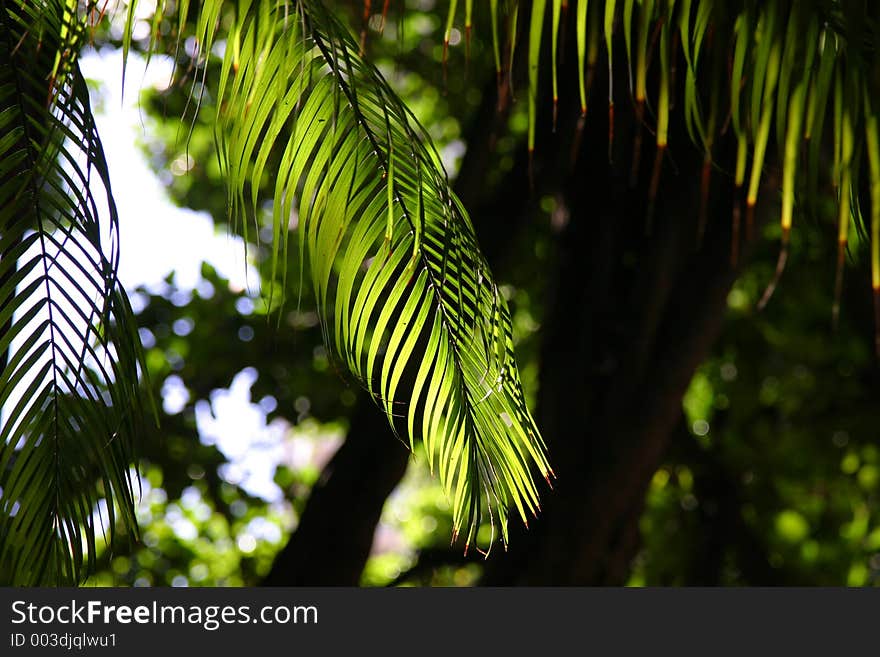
406	298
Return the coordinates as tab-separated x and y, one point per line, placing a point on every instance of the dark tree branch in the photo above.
332	542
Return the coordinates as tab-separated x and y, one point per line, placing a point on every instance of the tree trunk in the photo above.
634	305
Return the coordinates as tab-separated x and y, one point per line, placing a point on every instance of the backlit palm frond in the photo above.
407	300
775	68
69	392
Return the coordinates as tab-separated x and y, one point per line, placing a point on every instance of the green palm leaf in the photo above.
407	300
69	388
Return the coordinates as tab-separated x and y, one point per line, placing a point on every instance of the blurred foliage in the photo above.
773	478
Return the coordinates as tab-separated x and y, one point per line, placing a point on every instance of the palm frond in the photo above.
786	62
407	300
69	389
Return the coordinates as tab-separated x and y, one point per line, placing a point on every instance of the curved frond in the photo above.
407	299
69	389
